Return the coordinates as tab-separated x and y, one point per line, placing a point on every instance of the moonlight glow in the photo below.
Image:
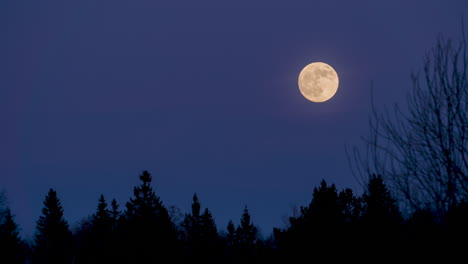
318	82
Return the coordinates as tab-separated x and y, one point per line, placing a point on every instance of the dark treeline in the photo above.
336	224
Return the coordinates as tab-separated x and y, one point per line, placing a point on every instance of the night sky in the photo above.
202	94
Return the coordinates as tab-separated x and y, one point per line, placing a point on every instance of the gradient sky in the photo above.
203	94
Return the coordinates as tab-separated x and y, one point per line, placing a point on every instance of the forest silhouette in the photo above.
334	222
416	207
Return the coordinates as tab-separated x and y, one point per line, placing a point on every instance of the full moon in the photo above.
318	82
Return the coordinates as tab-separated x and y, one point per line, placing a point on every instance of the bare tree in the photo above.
422	149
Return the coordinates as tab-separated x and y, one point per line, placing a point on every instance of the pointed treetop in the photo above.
10	241
52	211
246	231
145	177
8	226
102	215
245	222
145	204
196	206
379	205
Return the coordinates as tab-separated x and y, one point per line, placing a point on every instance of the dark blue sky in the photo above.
203	94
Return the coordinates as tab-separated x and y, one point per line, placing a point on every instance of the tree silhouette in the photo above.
231	243
209	231
423	150
318	225
380	207
348	232
381	217
332	222
100	233
350	206
148	231
102	219
115	214
200	235
246	234
11	245
246	231
52	239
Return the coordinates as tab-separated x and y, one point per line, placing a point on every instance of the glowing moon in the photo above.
318	82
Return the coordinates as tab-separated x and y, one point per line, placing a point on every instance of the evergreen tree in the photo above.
247	239
148	232
324	209
11	245
100	233
192	223
52	239
317	226
230	244
200	234
115	214
381	217
349	235
350	206
209	231
231	236
380	207
102	219
246	231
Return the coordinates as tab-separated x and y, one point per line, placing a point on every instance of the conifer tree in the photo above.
246	231
149	233
200	234
192	224
317	225
115	213
100	233
209	231
53	238
380	208
231	236
11	245
381	217
101	220
350	206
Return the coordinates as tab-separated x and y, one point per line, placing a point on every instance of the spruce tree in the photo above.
192	226
231	236
231	244
115	214
381	217
53	238
247	239
11	245
100	233
317	225
380	208
324	209
209	231
350	206
101	221
149	233
200	234
246	231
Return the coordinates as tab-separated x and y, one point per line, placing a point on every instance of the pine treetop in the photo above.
52	214
9	228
